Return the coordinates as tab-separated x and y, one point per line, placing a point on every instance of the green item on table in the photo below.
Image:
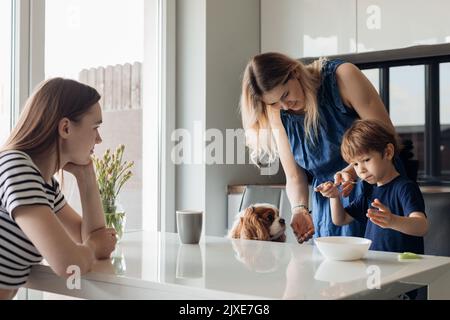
408	256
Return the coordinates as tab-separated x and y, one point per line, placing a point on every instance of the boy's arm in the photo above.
416	224
329	190
339	216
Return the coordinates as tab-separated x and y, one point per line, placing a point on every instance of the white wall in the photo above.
302	28
215	39
385	24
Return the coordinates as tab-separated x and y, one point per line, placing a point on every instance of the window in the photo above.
444	114
5	68
87	35
101	43
407	107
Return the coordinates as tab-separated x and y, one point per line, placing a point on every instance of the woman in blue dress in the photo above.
299	113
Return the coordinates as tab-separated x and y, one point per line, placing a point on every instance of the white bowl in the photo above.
343	248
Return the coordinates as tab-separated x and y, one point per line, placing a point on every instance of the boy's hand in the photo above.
345	180
382	216
328	189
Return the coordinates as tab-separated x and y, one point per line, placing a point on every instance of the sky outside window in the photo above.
88	34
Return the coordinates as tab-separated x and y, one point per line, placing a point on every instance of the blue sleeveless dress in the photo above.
322	159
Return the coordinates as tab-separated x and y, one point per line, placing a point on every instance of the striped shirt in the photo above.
21	183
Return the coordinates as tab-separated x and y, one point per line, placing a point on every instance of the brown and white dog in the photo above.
260	221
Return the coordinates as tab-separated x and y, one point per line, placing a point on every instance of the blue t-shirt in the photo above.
402	196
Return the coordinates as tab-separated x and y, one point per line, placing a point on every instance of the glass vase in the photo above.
116	220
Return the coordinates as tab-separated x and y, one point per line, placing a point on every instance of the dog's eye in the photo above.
270	217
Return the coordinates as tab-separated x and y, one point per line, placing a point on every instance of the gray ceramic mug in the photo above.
189	225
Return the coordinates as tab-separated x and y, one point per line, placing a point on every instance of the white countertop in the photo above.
156	266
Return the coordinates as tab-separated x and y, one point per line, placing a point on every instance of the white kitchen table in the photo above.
156	266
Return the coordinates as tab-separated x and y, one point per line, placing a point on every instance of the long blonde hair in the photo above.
263	73
36	131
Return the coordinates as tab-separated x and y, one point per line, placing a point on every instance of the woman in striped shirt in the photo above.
57	130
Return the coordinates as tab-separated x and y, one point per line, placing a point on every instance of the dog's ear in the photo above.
252	226
236	231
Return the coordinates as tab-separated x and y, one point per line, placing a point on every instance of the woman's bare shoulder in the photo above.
347	70
354	87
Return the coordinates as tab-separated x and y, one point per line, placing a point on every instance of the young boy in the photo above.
394	209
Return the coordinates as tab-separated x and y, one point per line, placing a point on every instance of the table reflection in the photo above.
341	271
258	256
189	263
118	260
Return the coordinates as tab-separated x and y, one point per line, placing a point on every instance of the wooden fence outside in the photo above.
119	85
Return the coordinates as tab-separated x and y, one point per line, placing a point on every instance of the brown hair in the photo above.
365	136
36	132
263	73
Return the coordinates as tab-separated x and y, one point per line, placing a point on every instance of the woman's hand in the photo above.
346	180
102	242
302	224
79	170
